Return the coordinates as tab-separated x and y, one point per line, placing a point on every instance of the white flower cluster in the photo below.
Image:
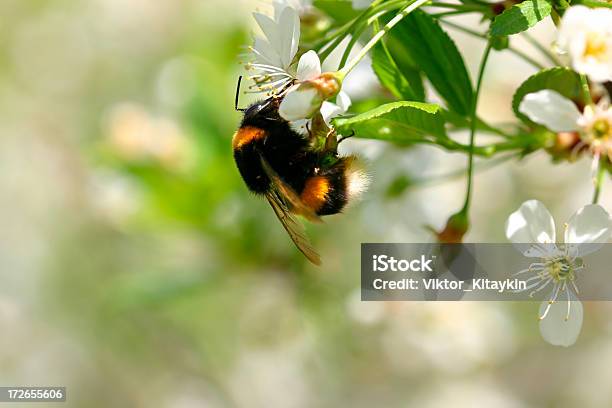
586	36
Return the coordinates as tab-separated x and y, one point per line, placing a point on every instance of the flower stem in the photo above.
351	44
461	7
451	13
598	180
380	34
470	171
345	30
481	166
378	10
586	91
474	33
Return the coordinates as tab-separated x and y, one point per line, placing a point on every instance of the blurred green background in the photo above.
137	270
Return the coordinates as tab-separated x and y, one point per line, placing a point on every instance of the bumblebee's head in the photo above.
263	113
255	109
260	112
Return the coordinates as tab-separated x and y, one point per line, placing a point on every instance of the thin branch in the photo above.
516	52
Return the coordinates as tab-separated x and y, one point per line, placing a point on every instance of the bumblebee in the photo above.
292	172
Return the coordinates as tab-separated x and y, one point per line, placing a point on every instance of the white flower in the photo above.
312	88
559	114
301	102
361	4
532	230
300	105
275	51
586	35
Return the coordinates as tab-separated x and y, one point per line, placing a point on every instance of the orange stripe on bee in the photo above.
246	135
314	194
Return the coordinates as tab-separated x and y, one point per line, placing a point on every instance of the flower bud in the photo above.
328	84
499	7
456	227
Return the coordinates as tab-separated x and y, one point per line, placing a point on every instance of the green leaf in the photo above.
421	37
392	78
563	80
396	48
399	122
364	105
520	17
340	10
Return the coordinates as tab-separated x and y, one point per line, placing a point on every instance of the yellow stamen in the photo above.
596	46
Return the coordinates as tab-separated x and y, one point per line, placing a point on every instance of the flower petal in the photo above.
596	70
301	126
270	30
279	6
586	35
289	32
343	101
551	109
575	23
309	66
531	224
265	53
588	229
557	328
329	111
299	104
301	6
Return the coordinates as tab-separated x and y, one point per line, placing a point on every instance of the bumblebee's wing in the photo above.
293	228
288	196
285	201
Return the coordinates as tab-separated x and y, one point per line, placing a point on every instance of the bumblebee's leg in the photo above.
331	141
308	130
346	137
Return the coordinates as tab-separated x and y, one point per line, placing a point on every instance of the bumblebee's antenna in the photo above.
238	95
